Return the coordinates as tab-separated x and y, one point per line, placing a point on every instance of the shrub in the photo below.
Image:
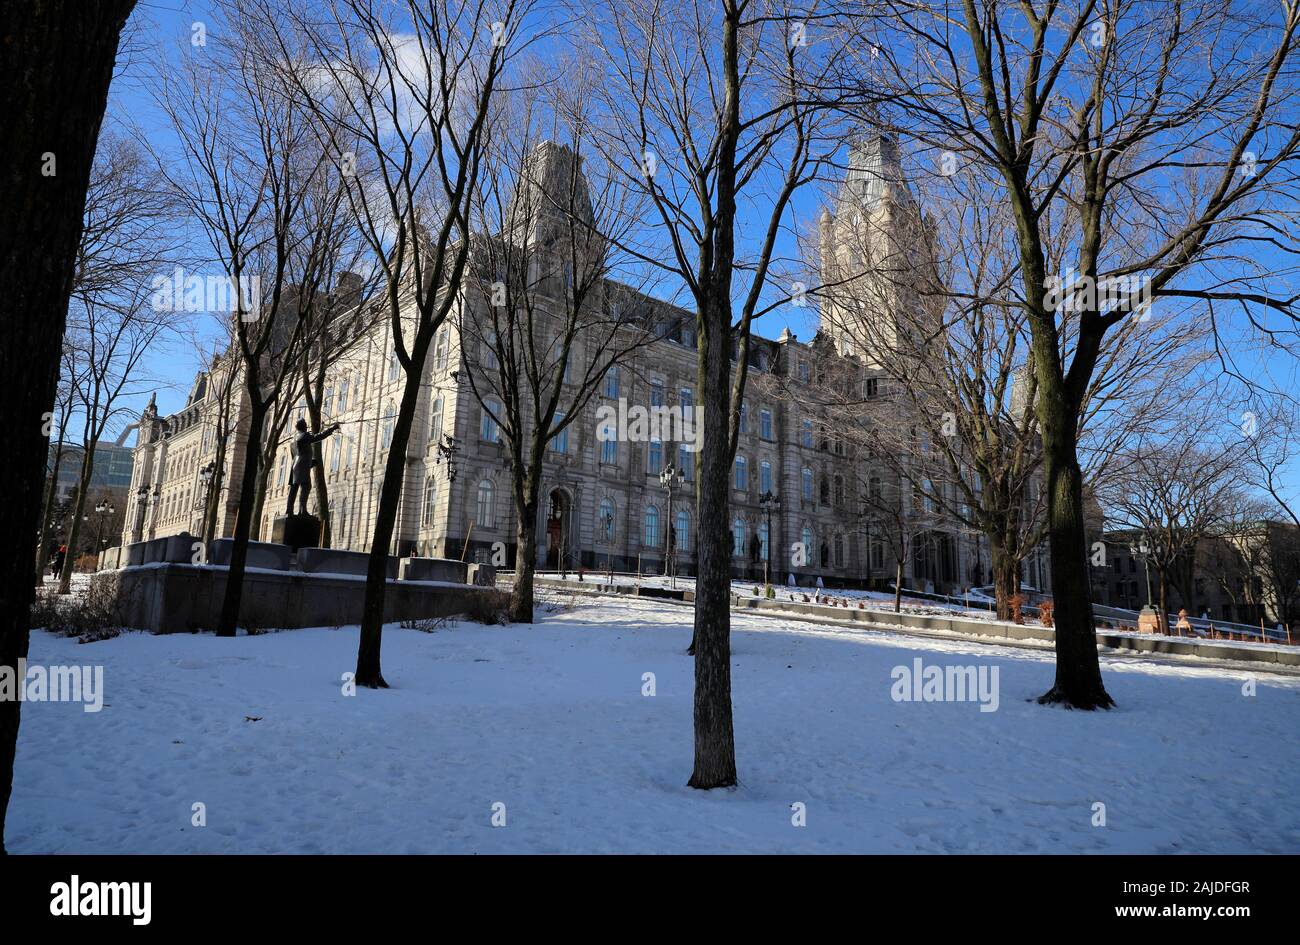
91	616
1045	613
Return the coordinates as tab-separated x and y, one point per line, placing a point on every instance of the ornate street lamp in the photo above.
769	503
671	479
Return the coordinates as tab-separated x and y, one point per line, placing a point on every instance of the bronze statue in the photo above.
304	458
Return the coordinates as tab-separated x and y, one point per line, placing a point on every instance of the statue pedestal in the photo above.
1148	621
296	531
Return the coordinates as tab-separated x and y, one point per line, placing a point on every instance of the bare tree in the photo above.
543	322
1154	140
402	93
919	285
251	163
1174	493
710	108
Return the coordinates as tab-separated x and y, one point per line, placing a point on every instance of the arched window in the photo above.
607	518
806	538
762	541
873	489
386	434
839	491
738	538
807	484
651	527
683	530
825	491
435	421
430	496
484	513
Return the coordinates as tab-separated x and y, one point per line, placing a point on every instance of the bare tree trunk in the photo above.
521	596
898	585
229	620
715	748
1006	577
1078	681
54	76
368	671
47	513
74	526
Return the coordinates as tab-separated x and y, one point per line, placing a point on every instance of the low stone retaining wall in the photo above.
180	598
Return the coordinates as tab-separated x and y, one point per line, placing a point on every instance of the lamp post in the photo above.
769	503
102	508
447	448
607	519
1147	616
670	479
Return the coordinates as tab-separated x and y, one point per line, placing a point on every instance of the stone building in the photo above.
604	506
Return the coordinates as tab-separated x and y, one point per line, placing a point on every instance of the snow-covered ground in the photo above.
550	721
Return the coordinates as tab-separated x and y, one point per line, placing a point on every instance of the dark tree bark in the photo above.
229	621
521	595
1078	682
715	747
372	611
56	63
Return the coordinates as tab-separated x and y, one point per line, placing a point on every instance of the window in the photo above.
686	397
762	541
560	442
738	538
841	549
440	348
685	461
682	536
483	507
742	473
806	539
607	518
874	489
839	491
871	387
611	383
488	429
435	420
657	393
765	424
804	373
877	553
764	476
651	527
430	496
654	457
608	446
807	478
279	473
744	417
806	434
394	366
336	452
327	403
490	352
825	491
390	416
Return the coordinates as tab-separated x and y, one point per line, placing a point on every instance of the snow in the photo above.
550	720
